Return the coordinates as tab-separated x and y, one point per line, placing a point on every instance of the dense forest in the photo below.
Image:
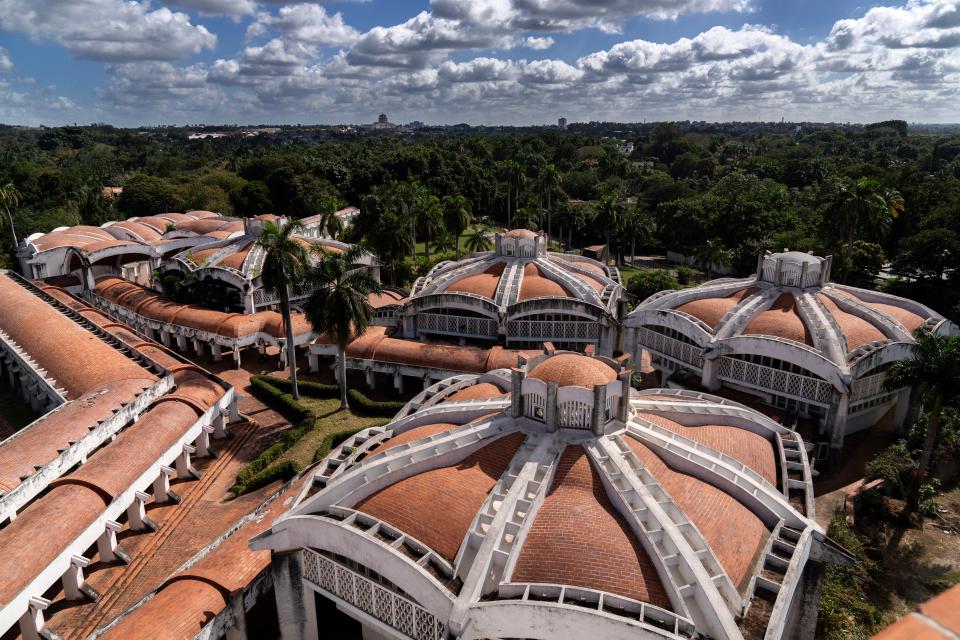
882	199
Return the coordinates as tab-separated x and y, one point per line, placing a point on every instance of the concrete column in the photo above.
137	513
313	360
295	602
711	371
219	426
185	470
216	351
165	338
236	356
72	579
426	381
808	609
107	542
398	382
901	413
516	384
161	486
623	411
202	443
838	425
234	411
371	379
550	418
197	347
248	306
599	406
31	622
182	343
238	630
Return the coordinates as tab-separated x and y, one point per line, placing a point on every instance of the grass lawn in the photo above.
422	251
329	420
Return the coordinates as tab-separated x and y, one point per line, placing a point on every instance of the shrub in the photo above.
332	440
650	281
359	403
896	465
845	611
685	274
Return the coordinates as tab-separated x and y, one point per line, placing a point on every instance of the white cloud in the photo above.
217	7
538	43
107	30
308	23
6	65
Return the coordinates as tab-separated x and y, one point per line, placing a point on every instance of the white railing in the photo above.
773	380
574	415
387	606
559	330
670	347
456	325
867	387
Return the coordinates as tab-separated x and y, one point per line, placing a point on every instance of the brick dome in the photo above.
521	233
569	369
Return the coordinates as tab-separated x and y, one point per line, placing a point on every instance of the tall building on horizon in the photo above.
562	123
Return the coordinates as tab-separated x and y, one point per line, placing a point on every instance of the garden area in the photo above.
318	426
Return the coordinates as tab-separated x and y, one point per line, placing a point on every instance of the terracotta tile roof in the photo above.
908	319
235	259
41	443
712	310
423	431
748	447
143	231
597	285
76	358
942	612
570	369
781	320
482	284
592	266
437	506
203	226
477	392
856	331
42	531
202	214
385	299
76	236
734	533
578	538
521	233
155	222
536	285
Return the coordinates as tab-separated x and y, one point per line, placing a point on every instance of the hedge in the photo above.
359	403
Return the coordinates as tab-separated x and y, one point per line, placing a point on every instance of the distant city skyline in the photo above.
483	62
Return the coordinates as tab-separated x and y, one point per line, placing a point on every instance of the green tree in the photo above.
10	197
527	218
863	205
650	281
477	239
713	254
550	182
638	223
934	369
339	305
285	268
252	199
145	195
516	177
430	218
329	225
457	215
609	213
444	242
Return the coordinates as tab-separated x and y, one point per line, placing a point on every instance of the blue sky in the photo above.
479	61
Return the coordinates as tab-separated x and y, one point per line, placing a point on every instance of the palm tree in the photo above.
478	240
934	369
609	212
330	225
339	305
712	254
457	214
444	242
550	181
10	195
863	204
516	178
430	218
285	267
527	218
638	223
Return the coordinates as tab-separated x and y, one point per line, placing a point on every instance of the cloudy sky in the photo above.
132	62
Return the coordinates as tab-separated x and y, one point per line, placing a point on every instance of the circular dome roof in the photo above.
798	257
570	369
687	445
521	233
